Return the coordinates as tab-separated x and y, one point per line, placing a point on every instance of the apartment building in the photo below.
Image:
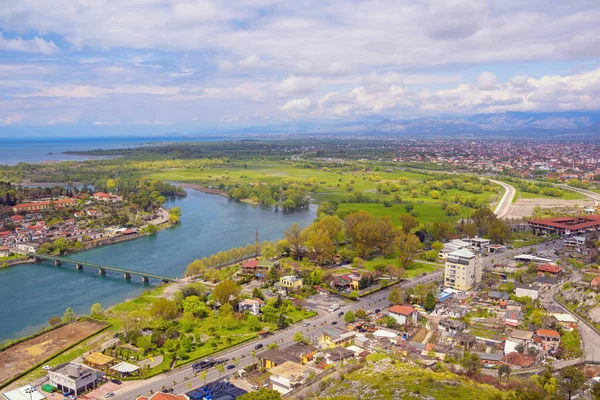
463	270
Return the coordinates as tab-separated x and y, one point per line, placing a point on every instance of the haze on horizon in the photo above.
156	66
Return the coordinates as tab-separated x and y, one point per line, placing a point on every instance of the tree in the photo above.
204	376
144	343
349	317
408	222
226	291
195	306
299	338
69	315
221	369
319	246
470	362
55	320
294	238
570	380
429	304
595	391
262	394
499	232
151	229
257	293
360	313
268	250
96	309
407	245
397	296
282	322
504	371
164	309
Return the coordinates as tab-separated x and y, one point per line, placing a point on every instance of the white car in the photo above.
110	394
47	367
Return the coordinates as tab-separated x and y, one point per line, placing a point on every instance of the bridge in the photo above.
102	268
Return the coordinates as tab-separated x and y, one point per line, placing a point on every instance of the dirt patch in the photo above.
524	207
17	359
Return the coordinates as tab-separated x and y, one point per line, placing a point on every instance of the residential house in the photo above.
337	354
523	290
99	361
550	339
519	360
479	243
253	306
271	358
451	327
4	251
27	248
289	375
498	296
290	283
250	267
567	321
44	205
106	197
300	352
164	396
462	270
403	314
516	338
70	378
596	282
513	317
334	337
552	270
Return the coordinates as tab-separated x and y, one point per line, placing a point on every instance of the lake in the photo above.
32	293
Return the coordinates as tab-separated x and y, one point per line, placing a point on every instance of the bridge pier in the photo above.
126	276
164	281
57	263
144	279
101	271
78	267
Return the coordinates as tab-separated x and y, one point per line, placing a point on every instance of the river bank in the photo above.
201	188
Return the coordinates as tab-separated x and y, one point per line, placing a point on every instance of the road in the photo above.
588	193
506	201
131	390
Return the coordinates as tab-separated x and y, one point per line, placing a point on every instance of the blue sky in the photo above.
157	66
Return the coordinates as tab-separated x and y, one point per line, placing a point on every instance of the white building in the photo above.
289	375
253	306
462	270
531	291
73	378
403	314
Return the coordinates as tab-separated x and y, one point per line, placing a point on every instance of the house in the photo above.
300	352
4	251
164	396
78	214
43	205
567	321
523	290
92	213
250	266
479	243
271	358
596	282
550	339
519	360
513	317
27	248
552	270
498	296
462	270
289	375
403	314
106	197
516	338
291	283
253	306
334	337
451	327
70	378
26	392
337	354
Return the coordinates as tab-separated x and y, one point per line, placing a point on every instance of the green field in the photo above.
567	195
427	212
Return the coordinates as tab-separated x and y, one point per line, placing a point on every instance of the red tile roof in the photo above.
164	396
521	360
570	223
402	310
547	333
553	269
250	264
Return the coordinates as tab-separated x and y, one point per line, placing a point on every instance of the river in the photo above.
30	294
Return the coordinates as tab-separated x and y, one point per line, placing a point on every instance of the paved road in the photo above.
130	391
506	201
588	193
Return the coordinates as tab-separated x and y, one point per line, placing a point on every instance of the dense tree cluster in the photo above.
288	197
204	265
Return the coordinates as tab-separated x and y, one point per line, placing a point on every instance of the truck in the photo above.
334	307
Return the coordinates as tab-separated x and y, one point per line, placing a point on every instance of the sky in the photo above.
157	66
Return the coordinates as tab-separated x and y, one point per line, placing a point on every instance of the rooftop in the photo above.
547	333
26	392
402	310
462	253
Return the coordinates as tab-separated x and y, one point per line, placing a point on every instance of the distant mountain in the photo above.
523	124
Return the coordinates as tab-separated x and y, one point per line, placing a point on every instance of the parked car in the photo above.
47	367
258	346
306	324
333	322
340	313
116	381
110	394
377	310
230	366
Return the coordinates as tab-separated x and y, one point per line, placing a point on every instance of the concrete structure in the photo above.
44	205
574	242
531	291
290	282
5	251
567	321
566	225
550	339
403	314
73	378
289	375
451	327
253	306
26	392
462	270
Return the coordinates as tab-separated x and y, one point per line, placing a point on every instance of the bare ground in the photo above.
524	207
18	358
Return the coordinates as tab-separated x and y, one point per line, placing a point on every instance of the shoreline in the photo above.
201	188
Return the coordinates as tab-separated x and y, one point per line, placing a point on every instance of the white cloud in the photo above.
486	81
35	45
11	119
298	105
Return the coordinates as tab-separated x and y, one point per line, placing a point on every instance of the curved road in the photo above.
588	193
506	201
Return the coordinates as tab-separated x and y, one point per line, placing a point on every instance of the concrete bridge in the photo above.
102	268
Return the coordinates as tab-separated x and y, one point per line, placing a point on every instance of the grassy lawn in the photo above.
567	195
13	257
426	212
417	268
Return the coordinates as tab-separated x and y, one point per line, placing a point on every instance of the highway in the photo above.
506	201
130	390
588	193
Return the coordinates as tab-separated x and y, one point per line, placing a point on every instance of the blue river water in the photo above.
32	293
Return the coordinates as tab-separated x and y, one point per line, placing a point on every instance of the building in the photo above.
290	283
462	270
4	251
289	375
550	339
334	337
298	353
451	327
574	242
523	290
253	306
513	317
26	248
26	392
98	360
479	243
337	355
164	396
567	321
73	379
271	358
516	338
519	360
564	226
106	197
595	282
43	205
403	314
552	270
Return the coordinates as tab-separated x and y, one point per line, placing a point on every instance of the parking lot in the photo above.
100	392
